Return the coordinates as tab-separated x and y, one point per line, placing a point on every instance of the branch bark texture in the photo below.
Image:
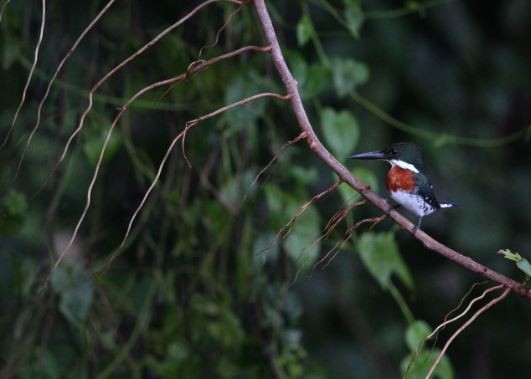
320	150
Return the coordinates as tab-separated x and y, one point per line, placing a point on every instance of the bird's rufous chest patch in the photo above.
400	179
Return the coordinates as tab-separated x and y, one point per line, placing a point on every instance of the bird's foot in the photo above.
416	227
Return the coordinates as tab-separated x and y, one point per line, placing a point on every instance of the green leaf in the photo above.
317	79
75	289
12	212
348	74
340	130
266	247
304	175
275	202
349	194
299	67
242	86
354	16
10	51
525	266
416	333
94	143
379	253
237	188
421	364
522	263
413	5
304	30
43	364
301	243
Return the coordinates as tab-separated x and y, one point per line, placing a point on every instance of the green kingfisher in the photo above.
406	183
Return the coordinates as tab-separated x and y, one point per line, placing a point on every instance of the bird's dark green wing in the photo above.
425	189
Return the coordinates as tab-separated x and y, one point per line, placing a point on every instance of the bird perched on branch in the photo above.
406	183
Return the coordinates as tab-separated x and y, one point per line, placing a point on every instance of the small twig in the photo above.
340	215
273	160
285	230
472	302
483	309
332	223
330	254
198	60
229	20
52	80
477	284
26	86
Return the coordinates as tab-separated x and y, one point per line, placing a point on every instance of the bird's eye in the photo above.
393	151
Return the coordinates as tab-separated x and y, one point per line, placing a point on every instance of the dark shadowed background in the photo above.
203	287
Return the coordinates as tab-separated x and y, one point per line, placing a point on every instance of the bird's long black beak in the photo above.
370	155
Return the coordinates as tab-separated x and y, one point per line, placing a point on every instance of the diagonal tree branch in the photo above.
320	150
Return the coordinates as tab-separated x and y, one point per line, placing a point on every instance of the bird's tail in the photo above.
448	205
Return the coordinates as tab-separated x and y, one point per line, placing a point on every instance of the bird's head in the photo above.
404	154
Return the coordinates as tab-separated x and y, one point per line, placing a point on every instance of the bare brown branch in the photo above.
462	314
320	150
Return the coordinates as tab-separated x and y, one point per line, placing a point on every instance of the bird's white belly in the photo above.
412	202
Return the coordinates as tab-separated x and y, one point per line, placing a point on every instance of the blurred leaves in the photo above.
214	322
417	365
241	86
340	130
379	253
416	334
354	16
419	361
74	287
349	194
302	244
13	208
304	30
348	74
237	189
95	137
312	79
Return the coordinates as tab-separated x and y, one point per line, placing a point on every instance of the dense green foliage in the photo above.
216	279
